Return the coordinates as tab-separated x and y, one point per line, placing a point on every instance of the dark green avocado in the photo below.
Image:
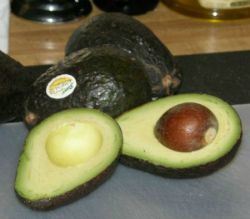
142	149
103	78
130	35
67	156
15	82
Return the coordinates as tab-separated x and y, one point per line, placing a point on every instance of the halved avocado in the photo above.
142	148
67	156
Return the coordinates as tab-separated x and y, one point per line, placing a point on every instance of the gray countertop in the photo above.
133	194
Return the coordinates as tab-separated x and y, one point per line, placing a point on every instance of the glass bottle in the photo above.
212	9
132	7
51	11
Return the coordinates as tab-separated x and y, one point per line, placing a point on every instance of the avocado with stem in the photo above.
67	156
103	78
130	35
186	135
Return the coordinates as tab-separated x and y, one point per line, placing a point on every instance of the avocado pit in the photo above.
73	143
186	127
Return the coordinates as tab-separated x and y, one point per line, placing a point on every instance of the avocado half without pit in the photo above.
67	156
186	135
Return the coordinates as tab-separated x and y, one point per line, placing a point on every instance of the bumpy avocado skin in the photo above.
130	35
197	170
107	79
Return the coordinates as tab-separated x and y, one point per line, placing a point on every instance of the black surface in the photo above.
226	75
126	6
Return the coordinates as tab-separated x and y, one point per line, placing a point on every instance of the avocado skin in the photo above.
15	82
108	79
130	35
73	195
192	172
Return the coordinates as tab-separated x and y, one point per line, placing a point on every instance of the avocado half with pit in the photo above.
185	135
66	157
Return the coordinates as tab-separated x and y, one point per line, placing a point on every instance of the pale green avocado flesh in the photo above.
65	151
140	142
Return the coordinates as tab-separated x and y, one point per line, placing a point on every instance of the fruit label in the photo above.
224	4
61	86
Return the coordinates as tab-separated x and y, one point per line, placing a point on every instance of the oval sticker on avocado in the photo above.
61	86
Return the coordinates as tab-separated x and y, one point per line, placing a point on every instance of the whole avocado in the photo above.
103	78
133	37
15	82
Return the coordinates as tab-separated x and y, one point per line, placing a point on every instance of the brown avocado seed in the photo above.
186	127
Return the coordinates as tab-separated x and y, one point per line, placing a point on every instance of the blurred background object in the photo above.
4	25
132	7
51	11
212	9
